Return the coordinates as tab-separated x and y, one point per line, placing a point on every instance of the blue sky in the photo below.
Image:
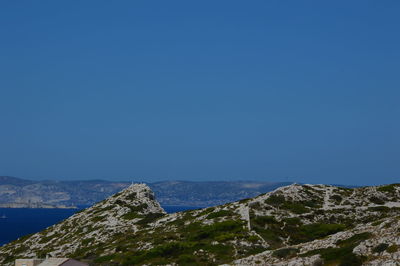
305	91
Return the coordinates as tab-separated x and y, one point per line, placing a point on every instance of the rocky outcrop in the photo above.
293	225
98	224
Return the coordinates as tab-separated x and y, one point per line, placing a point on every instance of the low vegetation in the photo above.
342	255
131	229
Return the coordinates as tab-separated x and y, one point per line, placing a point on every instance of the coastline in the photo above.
17	205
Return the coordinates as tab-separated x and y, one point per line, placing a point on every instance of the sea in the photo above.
15	223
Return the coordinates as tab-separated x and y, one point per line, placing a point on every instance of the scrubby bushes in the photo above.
318	230
199	232
388	188
393	248
342	255
183	246
220	213
337	198
133	213
275	200
274	231
376	200
285	252
380	248
298	207
151	217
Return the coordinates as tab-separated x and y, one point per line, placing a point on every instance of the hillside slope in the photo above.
293	225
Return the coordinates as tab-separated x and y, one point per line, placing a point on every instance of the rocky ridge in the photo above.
293	225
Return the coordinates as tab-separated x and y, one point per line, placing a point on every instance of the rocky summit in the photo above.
293	225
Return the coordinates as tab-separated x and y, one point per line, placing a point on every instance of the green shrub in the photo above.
138	208
314	203
253	238
377	223
21	249
337	198
23	239
275	200
150	217
253	250
343	255
104	209
225	237
380	248
376	200
199	232
207	211
132	196
181	252
268	228
97	219
255	205
274	231
244	200
292	221
379	209
48	238
9	259
388	188
393	248
318	230
87	241
272	237
120	202
355	239
131	215
264	220
295	207
186	259
220	213
285	252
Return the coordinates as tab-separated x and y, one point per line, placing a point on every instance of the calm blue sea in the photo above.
20	222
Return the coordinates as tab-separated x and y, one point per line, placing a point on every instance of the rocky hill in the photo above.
17	192
293	225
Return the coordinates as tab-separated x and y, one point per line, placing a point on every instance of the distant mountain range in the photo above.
17	192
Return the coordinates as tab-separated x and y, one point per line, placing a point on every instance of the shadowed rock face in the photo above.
293	225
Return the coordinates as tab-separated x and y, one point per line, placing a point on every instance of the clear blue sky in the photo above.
307	91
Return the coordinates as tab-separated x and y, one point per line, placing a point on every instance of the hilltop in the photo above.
293	225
